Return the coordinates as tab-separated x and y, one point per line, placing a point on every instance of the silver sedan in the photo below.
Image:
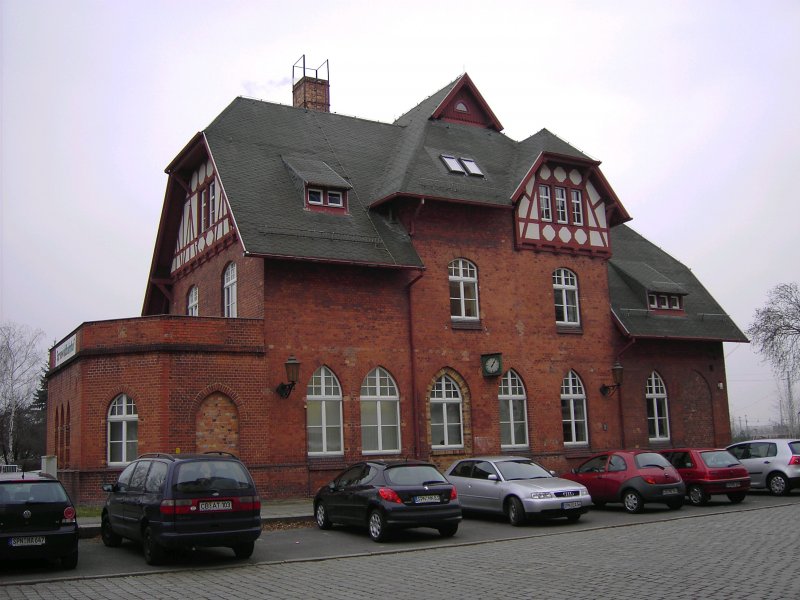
516	487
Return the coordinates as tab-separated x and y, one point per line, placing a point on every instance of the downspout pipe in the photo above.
413	362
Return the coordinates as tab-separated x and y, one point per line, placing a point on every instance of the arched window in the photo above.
229	291
463	277
446	422
123	430
324	413
657	408
513	414
380	413
192	302
565	295
573	410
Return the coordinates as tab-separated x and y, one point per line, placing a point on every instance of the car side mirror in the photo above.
553	473
492	477
109	487
332	485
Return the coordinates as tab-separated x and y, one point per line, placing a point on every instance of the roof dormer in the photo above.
464	104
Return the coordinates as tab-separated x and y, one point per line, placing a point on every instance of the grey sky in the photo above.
691	106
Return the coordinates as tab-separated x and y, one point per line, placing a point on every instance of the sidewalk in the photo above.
271	510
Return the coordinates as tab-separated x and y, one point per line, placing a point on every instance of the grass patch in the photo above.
88	511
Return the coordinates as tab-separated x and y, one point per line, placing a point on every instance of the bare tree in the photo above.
21	358
776	329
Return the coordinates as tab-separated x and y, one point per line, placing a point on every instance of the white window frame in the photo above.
545	208
657	409
193	302
122	410
379	388
229	291
562	215
335	194
319	192
573	395
511	393
463	279
675	302
565	297
324	395
444	393
652	300
577	207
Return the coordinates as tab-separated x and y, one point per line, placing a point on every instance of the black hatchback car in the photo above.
182	501
384	495
37	519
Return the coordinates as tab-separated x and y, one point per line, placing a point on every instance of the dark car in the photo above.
37	519
180	501
633	477
709	471
385	495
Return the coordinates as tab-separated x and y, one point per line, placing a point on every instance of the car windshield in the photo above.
205	475
31	492
651	459
414	475
521	469
719	458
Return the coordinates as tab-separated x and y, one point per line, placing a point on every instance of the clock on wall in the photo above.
492	364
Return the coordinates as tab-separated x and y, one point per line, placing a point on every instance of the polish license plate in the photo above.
733	484
569	505
216	505
429	499
670	492
18	542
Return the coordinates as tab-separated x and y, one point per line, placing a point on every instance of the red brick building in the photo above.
445	290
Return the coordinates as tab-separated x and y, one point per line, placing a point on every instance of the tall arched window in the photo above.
380	413
513	414
193	302
573	410
123	430
446	415
229	291
463	277
565	296
324	413
657	408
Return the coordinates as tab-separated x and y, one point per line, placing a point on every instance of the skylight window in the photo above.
461	165
452	164
472	167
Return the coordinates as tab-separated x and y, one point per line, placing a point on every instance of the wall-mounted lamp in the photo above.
292	374
616	375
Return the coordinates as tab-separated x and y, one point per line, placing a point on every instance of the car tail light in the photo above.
249	503
795	460
69	515
453	493
176	507
650	480
389	495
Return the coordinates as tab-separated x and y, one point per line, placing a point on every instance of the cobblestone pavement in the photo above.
748	554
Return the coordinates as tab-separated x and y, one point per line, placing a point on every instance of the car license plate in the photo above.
573	504
216	505
18	542
431	498
733	484
670	491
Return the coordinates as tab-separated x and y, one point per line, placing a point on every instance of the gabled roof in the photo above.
638	264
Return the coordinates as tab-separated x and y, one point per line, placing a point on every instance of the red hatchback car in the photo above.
632	477
709	471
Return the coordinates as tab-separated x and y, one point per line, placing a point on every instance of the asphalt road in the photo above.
680	548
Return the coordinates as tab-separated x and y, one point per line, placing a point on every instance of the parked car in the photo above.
709	471
517	487
773	464
172	501
383	495
37	519
633	477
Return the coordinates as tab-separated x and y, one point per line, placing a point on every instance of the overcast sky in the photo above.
692	107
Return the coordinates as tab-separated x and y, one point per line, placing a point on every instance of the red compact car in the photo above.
632	477
709	471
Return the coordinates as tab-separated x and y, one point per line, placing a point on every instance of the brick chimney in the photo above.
311	91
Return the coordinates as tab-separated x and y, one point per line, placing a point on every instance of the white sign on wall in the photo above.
65	350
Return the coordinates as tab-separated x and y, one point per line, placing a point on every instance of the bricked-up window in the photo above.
463	276
565	295
324	413
573	410
123	430
513	415
657	408
193	302
229	291
380	413
446	414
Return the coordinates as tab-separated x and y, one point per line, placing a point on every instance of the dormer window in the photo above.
315	197
665	302
326	200
461	165
335	198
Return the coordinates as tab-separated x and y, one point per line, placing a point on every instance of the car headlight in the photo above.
541	495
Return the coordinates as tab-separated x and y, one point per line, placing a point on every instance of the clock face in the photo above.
492	365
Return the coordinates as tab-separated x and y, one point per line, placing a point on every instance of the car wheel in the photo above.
675	504
321	516
778	485
515	511
153	552
377	526
632	501
573	518
70	561
448	530
697	496
244	550
110	539
736	497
